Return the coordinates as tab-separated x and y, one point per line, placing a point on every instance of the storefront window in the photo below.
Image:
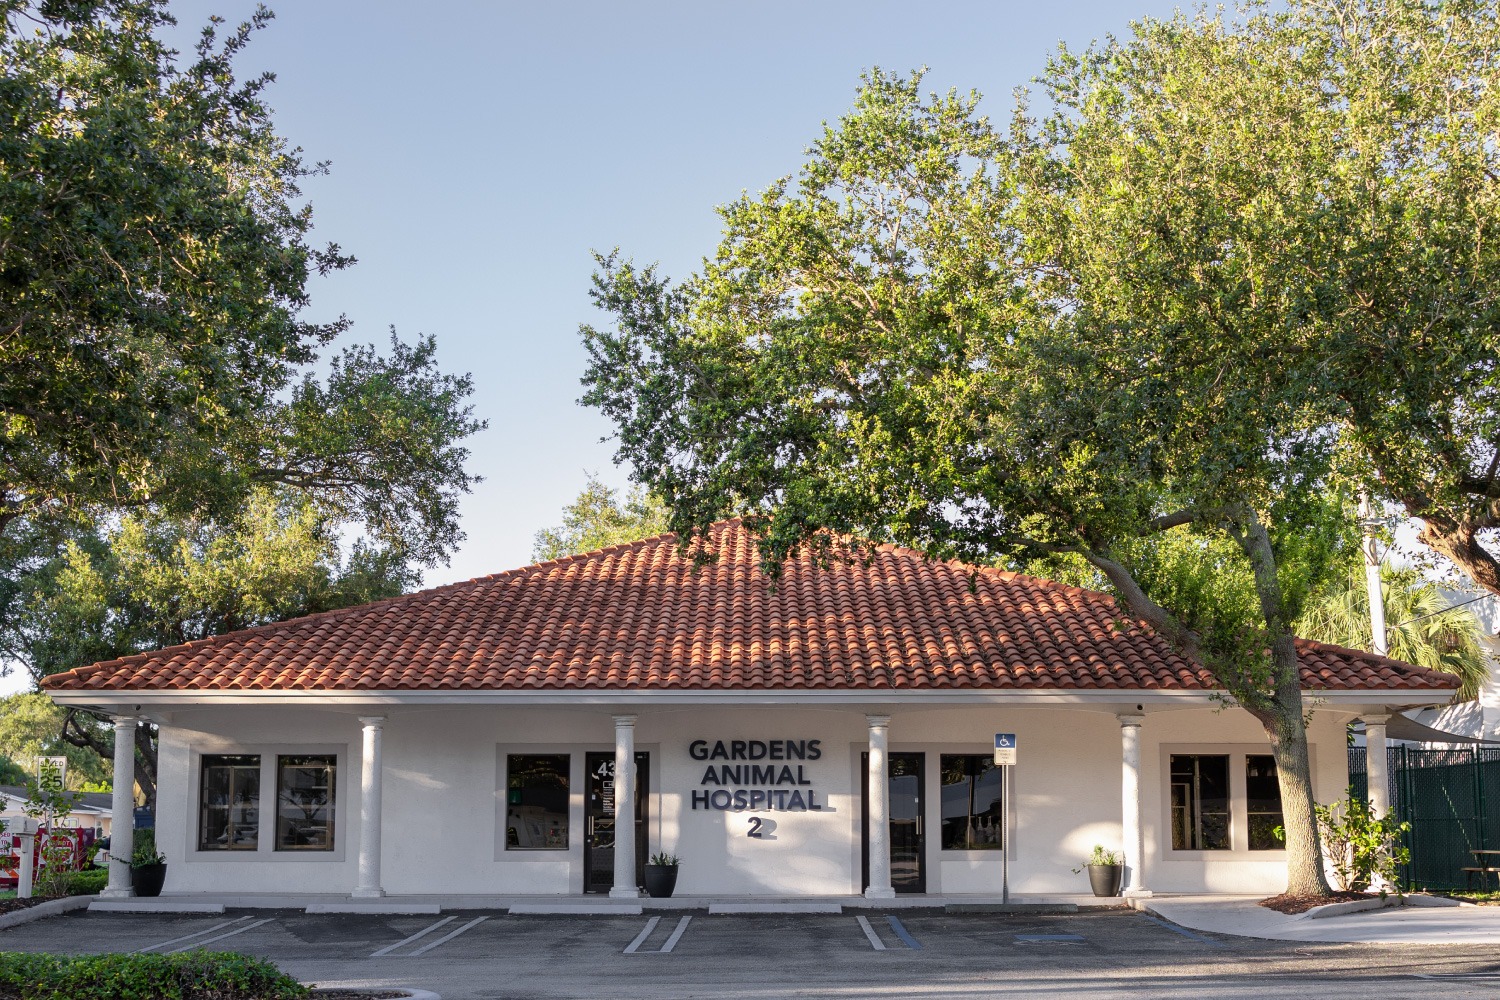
304	802
1263	802
536	797
972	817
229	803
1200	802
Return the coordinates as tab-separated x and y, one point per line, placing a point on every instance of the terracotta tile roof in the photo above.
641	616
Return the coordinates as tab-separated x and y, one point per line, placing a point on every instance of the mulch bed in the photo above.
1301	904
11	905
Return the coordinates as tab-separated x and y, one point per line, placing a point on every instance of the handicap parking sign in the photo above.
1005	748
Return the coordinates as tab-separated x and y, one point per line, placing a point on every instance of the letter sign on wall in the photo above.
1005	748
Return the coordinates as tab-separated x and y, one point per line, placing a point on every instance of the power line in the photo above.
1454	607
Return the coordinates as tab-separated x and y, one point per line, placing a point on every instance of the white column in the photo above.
878	803
122	811
625	886
368	886
1133	843
1375	770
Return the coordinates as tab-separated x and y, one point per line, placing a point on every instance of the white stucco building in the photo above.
828	736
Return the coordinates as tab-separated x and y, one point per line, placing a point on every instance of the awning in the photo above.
1402	727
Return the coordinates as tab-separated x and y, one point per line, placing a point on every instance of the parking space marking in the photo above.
188	937
902	933
676	934
1049	938
420	934
446	937
875	941
640	938
219	937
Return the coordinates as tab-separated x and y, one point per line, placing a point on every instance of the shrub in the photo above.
194	975
88	882
1359	846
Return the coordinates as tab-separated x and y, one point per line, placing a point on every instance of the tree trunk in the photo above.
1304	849
1281	716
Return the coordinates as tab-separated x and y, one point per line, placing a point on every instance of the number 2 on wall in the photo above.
755	825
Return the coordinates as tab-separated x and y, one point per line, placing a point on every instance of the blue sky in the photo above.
480	151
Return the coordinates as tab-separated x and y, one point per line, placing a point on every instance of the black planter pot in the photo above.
147	880
660	880
1105	879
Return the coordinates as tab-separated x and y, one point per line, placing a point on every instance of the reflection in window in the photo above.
536	802
304	803
229	803
972	818
1200	802
1263	802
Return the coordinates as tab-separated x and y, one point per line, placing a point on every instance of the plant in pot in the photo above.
661	875
1106	869
148	866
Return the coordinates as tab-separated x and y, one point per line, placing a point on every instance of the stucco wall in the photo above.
443	809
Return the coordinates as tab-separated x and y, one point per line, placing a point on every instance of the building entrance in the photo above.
599	821
904	773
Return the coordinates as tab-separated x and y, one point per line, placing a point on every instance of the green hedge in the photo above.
193	975
88	882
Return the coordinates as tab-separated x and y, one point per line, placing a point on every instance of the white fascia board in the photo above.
106	700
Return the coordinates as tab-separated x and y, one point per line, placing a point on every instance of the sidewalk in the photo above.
1244	916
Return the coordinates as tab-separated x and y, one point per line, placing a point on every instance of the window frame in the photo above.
988	849
269	754
205	761
1239	806
570	839
334	823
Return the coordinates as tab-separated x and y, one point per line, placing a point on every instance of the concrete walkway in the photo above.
1245	917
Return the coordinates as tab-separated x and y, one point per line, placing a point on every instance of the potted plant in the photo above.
661	875
1106	869
148	866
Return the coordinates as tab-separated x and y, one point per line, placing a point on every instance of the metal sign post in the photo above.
1005	759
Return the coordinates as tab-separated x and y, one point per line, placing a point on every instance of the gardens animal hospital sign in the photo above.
758	775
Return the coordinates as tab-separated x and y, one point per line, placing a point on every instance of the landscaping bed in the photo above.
1292	905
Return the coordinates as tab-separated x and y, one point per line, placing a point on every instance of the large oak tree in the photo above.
154	264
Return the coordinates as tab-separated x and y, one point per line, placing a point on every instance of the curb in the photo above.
1374	903
51	908
420	909
410	992
149	905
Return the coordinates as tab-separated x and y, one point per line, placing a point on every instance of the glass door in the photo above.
908	840
599	820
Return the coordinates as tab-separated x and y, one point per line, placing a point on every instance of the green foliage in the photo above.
597	518
193	975
1420	626
154	247
1360	847
154	581
663	858
11	773
31	727
145	851
1100	856
89	882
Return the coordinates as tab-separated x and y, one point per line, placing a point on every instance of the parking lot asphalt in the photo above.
911	954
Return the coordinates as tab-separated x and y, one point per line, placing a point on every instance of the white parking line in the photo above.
676	935
445	938
875	941
421	933
188	937
219	937
640	938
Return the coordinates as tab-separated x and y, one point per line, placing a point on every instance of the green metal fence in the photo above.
1451	798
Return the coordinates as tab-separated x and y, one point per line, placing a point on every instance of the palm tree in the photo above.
1422	628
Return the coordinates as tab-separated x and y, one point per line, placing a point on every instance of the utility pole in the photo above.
1369	523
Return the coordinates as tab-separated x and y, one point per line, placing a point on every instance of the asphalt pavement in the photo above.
912	954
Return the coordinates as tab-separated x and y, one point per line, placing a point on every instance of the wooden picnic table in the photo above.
1486	863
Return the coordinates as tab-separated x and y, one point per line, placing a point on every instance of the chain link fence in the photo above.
1451	798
